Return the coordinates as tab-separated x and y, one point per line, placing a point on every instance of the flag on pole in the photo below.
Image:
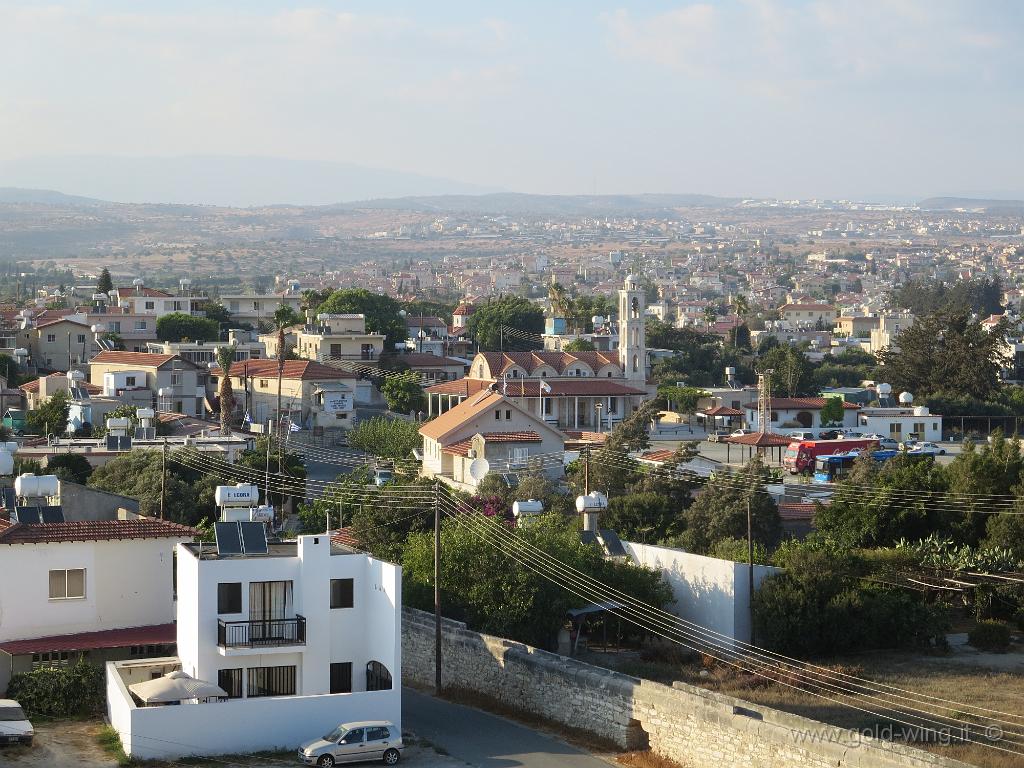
292	426
545	387
247	421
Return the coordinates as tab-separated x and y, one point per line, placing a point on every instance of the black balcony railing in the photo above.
261	633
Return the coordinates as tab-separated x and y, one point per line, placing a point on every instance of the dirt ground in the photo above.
73	742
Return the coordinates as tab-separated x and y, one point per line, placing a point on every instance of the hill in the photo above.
969	203
512	203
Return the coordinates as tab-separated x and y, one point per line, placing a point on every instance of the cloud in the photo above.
682	39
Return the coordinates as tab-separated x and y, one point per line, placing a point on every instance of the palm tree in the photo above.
741	306
561	304
709	316
225	359
284	317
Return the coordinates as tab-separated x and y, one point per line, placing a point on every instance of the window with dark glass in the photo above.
229	597
231	681
342	593
341	677
271	681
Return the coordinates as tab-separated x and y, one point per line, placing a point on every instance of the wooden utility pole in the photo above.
437	588
163	480
750	569
586	470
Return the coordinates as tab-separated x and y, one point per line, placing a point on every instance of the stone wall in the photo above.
690	725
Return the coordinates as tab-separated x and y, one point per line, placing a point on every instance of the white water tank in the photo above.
526	508
6	463
884	389
74	376
29	485
236	495
119	423
593	501
921	410
906	398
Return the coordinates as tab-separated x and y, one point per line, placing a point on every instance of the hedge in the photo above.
59	691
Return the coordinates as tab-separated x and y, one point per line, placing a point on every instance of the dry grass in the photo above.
931	676
647	759
576	736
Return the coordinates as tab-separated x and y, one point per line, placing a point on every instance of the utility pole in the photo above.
437	588
586	470
163	480
750	569
266	481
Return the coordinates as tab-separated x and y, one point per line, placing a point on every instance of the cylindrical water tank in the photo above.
240	494
121	422
921	410
529	507
6	463
76	376
145	413
592	502
36	485
165	392
597	320
730	371
906	398
884	389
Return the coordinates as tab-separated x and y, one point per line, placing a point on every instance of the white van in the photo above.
14	725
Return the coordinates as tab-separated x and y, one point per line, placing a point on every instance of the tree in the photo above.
494	594
51	417
562	304
225	393
720	510
218	313
682	400
740	305
381	313
579	345
710	315
644	517
137	474
73	467
104	284
177	326
978	478
403	394
791	371
832	411
486	322
387	438
947	352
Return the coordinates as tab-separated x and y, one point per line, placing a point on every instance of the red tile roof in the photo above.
658	456
759	440
306	370
141	359
345	537
154	634
796	511
95	530
48	323
721	410
499	362
581	387
33	386
461	448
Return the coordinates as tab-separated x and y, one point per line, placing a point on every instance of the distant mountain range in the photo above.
221	180
515	203
970	203
47	196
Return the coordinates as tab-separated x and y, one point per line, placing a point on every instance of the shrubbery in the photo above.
990	635
59	691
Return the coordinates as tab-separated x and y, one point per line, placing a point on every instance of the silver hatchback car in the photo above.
354	743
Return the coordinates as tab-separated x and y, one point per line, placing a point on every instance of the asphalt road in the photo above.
485	740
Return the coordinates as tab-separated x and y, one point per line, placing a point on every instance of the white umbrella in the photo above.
175	686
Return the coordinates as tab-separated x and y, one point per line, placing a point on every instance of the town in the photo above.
511	385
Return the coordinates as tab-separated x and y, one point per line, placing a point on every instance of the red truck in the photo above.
801	454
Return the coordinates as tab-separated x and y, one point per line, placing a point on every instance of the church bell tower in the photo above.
632	334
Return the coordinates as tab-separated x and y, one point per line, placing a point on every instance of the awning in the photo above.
175	686
155	634
594	608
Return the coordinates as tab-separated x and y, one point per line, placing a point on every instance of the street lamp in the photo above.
597	407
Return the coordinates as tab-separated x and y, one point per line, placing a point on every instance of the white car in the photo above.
354	743
928	449
742	432
14	725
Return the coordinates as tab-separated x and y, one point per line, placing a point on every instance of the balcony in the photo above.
261	634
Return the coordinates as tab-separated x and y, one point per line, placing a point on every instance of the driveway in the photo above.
482	739
68	742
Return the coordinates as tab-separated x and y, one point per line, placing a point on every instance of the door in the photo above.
377	740
270	602
351	747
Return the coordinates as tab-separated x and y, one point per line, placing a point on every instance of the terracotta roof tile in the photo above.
467	409
526	436
460	448
759	440
95	530
305	370
142	359
811	403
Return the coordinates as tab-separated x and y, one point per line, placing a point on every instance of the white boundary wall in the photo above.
708	591
240	725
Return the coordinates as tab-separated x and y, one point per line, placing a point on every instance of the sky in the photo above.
864	99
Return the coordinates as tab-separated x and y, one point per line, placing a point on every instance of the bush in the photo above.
736	550
1019	619
990	635
60	691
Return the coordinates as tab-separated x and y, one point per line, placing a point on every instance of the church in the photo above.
571	391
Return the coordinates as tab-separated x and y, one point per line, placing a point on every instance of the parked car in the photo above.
14	725
928	449
354	743
741	432
887	444
800	434
831	434
718	434
383	475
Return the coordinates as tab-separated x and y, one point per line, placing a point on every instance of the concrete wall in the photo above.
708	591
684	723
238	725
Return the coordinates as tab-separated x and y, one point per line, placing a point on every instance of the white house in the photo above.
66	595
300	638
799	413
901	423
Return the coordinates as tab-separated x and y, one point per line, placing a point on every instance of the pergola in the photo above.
757	442
719	412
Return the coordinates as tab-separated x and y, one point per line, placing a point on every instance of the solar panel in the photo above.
254	538
229	541
51	514
588	537
612	545
28	515
10	499
145	433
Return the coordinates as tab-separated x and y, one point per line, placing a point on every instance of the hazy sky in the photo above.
755	97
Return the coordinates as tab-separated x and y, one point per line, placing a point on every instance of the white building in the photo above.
71	599
301	638
798	413
906	422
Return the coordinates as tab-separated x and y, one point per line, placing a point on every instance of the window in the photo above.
271	681
129	381
335	350
51	338
117	326
508	414
895	430
341	677
231	681
342	593
67	585
263	382
547	406
378	678
229	597
175	379
150	305
50	659
377	733
81	338
497	415
140	325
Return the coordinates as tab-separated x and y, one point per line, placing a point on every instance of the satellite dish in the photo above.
479	468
